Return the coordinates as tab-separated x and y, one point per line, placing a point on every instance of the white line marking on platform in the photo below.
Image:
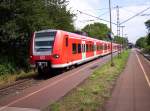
146	77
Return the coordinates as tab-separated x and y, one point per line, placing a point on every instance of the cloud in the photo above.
135	28
86	6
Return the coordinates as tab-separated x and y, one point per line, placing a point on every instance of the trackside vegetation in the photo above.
8	79
93	92
144	42
19	19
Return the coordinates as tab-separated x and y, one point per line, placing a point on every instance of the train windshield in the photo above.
44	41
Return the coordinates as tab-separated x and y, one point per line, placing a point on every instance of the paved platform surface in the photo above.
132	92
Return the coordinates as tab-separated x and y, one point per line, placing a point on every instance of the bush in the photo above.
7	68
147	49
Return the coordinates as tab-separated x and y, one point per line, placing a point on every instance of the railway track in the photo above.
21	85
43	92
18	86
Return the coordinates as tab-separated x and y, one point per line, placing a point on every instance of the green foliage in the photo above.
120	40
19	18
148	39
97	30
147	23
6	67
141	42
61	16
147	49
144	42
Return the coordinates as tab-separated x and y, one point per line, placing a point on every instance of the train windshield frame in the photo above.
44	42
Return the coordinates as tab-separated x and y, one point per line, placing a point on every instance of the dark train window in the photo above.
51	34
108	47
74	49
105	47
67	42
98	47
92	47
101	47
87	47
79	48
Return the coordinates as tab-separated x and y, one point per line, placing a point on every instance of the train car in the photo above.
61	49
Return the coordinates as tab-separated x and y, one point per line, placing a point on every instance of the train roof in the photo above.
71	33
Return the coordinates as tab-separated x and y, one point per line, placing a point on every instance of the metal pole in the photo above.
122	38
112	63
118	21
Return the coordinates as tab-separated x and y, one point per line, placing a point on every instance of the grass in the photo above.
93	92
7	79
12	69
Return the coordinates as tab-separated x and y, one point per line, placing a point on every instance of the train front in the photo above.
41	49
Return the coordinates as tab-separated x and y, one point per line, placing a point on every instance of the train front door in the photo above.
83	47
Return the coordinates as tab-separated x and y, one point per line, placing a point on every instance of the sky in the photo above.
133	29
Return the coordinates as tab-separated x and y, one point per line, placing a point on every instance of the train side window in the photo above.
90	47
108	47
74	49
66	41
79	48
101	47
87	48
105	47
97	48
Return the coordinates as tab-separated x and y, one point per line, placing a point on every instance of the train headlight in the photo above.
56	56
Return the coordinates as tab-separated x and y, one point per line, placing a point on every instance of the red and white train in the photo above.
60	49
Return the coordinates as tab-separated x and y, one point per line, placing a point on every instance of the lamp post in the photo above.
112	63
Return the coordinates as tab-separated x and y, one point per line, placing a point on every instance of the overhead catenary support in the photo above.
112	63
118	21
122	27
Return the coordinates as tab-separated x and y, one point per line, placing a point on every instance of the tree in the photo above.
59	15
19	18
120	40
141	42
97	30
147	23
22	17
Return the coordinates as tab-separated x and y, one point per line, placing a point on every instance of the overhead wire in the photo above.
135	15
95	17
